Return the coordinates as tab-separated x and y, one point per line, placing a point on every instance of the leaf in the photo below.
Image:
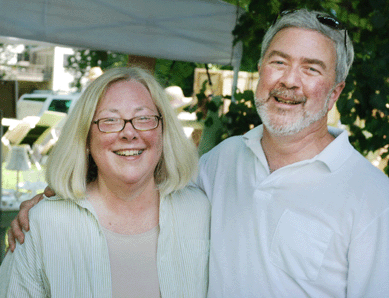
208	122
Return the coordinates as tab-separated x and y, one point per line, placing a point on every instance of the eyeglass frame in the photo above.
323	19
159	118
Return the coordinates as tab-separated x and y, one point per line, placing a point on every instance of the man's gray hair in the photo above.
303	18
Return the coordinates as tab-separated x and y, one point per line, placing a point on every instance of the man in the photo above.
296	211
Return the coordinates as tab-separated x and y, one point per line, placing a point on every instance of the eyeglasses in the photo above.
323	19
141	123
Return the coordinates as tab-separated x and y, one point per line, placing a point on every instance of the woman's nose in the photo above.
129	132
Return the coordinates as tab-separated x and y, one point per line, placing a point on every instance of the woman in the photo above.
123	222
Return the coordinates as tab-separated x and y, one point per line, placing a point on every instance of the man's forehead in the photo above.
307	44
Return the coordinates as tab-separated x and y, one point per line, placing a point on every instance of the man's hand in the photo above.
21	220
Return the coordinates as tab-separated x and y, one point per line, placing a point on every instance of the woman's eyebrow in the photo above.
109	110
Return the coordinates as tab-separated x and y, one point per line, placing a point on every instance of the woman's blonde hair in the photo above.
70	167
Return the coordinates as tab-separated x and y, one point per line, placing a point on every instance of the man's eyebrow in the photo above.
304	60
315	61
278	53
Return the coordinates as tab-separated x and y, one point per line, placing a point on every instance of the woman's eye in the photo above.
110	120
143	118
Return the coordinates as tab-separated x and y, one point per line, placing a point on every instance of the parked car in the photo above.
36	103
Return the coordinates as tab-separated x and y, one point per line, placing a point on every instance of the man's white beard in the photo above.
289	128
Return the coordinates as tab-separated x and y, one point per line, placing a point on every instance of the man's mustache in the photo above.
287	94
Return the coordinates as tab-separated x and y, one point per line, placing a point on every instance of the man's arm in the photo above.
21	221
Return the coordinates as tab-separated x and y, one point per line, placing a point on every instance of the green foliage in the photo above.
364	104
240	117
83	60
167	72
175	73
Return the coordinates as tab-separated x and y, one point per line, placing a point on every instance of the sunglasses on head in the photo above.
323	19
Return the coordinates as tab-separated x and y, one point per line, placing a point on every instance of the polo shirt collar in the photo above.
338	151
252	139
333	156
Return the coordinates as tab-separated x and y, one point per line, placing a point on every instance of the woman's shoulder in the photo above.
53	208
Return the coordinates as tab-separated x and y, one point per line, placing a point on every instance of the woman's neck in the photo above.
127	210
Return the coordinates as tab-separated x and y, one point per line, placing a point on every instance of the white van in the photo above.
36	103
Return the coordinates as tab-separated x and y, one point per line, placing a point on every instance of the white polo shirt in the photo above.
316	228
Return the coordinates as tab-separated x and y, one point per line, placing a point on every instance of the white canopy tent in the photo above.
185	30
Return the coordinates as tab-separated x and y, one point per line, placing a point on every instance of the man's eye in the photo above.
313	70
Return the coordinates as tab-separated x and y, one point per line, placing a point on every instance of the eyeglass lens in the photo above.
118	124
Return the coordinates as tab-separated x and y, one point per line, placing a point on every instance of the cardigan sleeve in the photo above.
20	275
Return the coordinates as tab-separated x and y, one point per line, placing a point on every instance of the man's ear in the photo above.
335	93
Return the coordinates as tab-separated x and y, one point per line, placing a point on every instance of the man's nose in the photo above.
291	78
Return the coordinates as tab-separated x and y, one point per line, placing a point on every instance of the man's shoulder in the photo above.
191	211
229	155
233	142
227	147
367	180
358	168
366	169
191	197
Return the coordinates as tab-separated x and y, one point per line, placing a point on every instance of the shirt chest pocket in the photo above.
299	245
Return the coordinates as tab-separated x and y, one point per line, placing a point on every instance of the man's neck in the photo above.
281	151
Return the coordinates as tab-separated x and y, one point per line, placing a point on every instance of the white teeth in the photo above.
129	152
